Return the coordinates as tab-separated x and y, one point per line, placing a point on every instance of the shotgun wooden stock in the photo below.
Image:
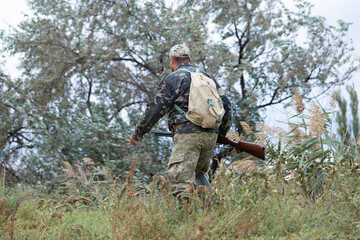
252	148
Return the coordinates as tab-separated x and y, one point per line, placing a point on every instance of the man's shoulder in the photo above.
207	74
176	75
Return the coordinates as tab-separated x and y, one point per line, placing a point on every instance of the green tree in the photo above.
13	135
83	64
274	51
89	67
348	122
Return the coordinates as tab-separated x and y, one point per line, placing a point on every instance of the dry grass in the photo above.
268	132
244	166
298	102
332	102
234	135
266	203
69	169
317	120
246	127
242	208
7	218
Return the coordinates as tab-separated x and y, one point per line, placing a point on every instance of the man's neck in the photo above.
182	64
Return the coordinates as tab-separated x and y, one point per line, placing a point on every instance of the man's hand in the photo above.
132	141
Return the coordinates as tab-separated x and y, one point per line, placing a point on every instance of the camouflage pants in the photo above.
191	153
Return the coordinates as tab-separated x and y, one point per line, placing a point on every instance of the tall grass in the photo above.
254	206
308	189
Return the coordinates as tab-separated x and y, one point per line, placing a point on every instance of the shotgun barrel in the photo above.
162	134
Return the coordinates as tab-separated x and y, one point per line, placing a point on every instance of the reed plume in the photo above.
317	120
298	102
248	130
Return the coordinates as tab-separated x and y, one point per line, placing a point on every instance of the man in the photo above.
193	145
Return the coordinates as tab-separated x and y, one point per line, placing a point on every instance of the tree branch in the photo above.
88	102
272	101
119	108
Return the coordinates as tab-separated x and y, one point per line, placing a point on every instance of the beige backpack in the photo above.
205	106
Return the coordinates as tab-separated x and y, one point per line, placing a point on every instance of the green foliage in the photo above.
89	67
255	205
348	129
310	158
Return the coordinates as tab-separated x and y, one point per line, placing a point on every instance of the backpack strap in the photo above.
180	110
175	105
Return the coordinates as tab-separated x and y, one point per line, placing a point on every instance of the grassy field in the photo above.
309	188
254	205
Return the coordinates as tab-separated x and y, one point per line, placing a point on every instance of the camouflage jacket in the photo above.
174	89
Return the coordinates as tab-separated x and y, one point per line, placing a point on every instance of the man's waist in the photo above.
189	127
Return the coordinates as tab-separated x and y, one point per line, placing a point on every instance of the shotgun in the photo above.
254	149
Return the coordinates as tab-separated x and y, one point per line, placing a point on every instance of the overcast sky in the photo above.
11	12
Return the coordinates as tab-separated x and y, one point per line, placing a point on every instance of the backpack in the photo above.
205	106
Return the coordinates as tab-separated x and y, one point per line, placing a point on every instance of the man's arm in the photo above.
226	120
163	100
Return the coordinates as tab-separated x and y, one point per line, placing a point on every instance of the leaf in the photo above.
317	182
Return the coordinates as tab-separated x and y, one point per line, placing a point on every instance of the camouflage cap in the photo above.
180	51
